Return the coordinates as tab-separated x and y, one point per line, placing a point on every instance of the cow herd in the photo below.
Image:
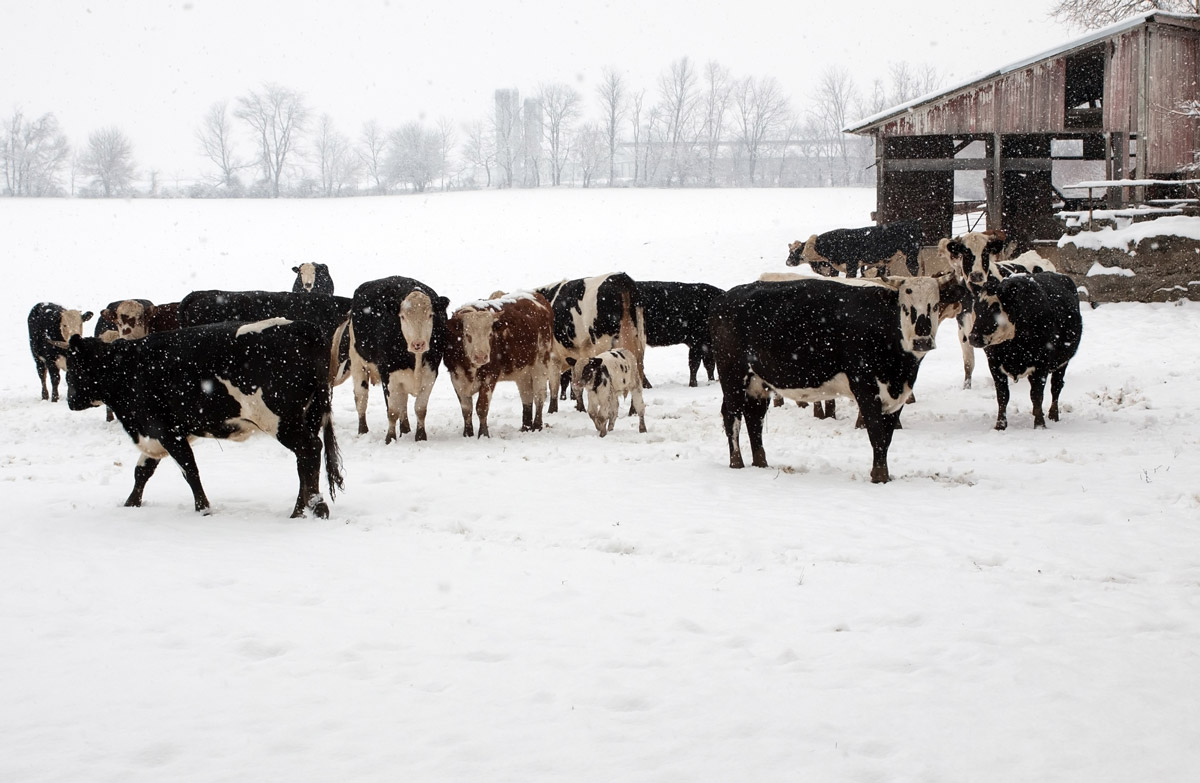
228	364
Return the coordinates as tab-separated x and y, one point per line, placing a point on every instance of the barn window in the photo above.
1084	89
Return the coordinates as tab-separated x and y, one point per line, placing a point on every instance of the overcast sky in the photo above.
152	67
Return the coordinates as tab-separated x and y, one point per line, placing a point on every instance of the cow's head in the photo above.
992	323
601	394
307	275
477	334
86	360
131	318
921	300
795	253
416	321
973	257
70	324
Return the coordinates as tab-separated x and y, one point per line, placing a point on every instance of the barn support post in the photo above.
995	184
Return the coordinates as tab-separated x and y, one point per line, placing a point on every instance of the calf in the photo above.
848	249
124	319
505	338
678	313
1028	325
593	315
312	279
607	378
51	326
397	338
225	381
790	337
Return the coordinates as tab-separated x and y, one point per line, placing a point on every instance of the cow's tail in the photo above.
333	456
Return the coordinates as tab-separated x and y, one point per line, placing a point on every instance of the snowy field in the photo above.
1013	606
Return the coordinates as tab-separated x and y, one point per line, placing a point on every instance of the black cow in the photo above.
312	279
50	327
678	313
226	381
848	249
330	314
813	339
593	315
397	338
1028	325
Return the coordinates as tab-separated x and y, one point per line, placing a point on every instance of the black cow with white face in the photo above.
849	249
312	279
50	327
812	339
330	313
1028	325
677	313
228	381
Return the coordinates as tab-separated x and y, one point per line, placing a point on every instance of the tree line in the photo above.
696	126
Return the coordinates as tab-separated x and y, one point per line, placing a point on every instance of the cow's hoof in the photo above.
1039	424
321	510
880	476
420	436
405	428
1001	425
391	436
133	503
362	429
692	383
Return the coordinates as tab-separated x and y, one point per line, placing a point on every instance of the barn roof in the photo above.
1082	42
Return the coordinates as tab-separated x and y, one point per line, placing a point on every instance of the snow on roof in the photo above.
1093	37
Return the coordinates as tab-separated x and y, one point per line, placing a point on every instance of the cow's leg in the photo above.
755	413
639	405
481	408
577	385
710	363
539	401
462	390
695	356
181	451
552	396
965	322
362	390
1037	391
391	399
52	368
141	474
564	382
731	417
421	404
41	371
305	443
1001	382
1056	386
879	426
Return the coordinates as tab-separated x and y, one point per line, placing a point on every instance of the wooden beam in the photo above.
967	164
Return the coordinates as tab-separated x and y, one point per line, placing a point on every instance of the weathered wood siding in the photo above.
1174	69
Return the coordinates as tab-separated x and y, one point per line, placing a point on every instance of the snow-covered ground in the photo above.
551	606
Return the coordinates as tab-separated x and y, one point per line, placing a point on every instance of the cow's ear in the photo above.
995	247
86	316
296	269
956	248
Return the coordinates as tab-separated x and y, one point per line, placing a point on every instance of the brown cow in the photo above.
505	338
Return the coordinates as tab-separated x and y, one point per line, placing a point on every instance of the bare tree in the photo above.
416	155
215	135
480	148
835	95
371	150
335	160
108	160
277	115
715	105
612	110
35	152
507	124
560	107
448	138
635	121
1093	14
762	108
589	151
677	101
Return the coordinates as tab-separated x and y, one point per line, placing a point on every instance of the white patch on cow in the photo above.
416	322
261	326
151	448
892	404
837	386
918	298
255	415
308	276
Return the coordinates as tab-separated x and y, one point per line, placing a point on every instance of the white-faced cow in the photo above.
593	315
226	381
50	327
847	250
397	338
815	339
678	313
330	314
505	338
312	279
975	258
1028	325
606	379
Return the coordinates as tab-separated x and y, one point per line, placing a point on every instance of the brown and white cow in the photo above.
397	337
606	379
51	326
505	338
312	279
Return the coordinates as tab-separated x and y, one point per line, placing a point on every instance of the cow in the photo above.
312	279
790	337
974	258
506	338
397	338
228	381
330	314
678	313
1028	325
606	378
124	319
593	315
51	326
849	249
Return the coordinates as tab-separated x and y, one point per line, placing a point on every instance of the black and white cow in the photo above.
606	379
397	339
330	314
593	315
791	338
849	249
312	279
1028	325
678	313
227	381
50	327
975	258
